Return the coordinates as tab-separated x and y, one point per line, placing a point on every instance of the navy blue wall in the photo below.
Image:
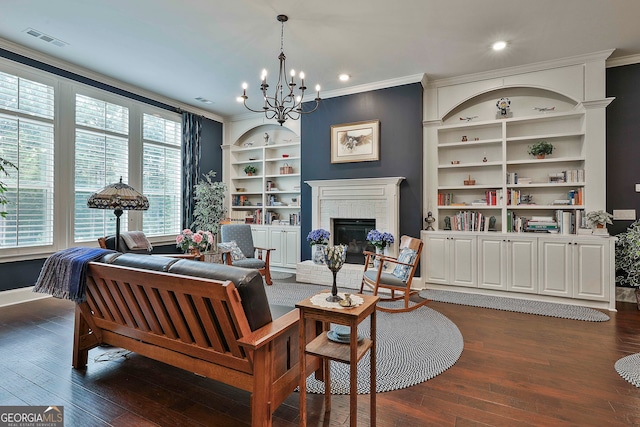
399	110
623	143
210	148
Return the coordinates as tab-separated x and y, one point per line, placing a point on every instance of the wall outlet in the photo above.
624	214
637	188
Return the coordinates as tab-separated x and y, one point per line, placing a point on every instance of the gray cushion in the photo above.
249	263
386	278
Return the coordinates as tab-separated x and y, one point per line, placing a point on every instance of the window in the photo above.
161	175
101	158
27	140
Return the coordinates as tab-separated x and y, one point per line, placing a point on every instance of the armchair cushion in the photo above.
234	250
249	263
402	271
386	278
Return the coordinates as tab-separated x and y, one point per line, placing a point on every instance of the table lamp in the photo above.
119	197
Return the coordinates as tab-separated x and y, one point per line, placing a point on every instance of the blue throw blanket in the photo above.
63	274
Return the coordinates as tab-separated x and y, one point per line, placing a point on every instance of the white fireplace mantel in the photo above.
376	198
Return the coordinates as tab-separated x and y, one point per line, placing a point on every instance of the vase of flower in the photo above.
380	240
318	253
318	239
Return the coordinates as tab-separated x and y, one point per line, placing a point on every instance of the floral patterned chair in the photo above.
238	249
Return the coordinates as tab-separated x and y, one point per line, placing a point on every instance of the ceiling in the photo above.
208	48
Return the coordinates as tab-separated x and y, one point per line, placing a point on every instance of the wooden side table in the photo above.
350	353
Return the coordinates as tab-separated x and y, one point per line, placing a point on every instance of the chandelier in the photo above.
284	103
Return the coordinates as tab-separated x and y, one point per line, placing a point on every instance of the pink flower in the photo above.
187	232
210	237
179	239
197	238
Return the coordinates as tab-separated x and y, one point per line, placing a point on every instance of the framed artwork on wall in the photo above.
355	142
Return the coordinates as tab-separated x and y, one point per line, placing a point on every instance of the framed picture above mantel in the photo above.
355	142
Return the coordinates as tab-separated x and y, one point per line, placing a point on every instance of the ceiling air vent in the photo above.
45	37
203	100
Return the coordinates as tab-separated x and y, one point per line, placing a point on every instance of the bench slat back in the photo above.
191	315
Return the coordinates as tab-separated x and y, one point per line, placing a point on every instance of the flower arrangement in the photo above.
541	148
188	240
318	237
250	169
628	257
380	239
598	217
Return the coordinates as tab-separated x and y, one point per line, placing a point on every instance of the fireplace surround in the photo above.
370	198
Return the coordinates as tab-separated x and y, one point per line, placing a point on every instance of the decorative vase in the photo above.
318	254
195	252
335	257
599	225
541	156
376	260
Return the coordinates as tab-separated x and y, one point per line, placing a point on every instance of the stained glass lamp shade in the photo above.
119	197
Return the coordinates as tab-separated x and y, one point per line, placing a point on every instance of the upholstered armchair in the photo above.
238	249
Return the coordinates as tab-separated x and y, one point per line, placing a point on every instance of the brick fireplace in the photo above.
372	198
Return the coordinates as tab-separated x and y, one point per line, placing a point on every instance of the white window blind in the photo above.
101	158
26	140
161	175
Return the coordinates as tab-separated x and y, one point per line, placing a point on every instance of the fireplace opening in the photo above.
353	233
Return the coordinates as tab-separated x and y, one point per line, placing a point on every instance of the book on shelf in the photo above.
524	181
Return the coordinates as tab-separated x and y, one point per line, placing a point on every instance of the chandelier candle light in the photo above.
284	103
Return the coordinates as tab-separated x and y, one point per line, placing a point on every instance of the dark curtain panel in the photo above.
191	134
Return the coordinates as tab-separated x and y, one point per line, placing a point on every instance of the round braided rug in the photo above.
629	368
411	347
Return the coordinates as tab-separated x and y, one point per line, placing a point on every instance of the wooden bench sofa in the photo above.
173	311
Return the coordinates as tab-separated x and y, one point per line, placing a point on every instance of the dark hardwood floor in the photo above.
515	370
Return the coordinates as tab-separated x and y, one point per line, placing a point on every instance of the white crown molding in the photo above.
383	84
85	72
623	60
522	69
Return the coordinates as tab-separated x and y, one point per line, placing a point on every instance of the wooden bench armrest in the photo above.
261	337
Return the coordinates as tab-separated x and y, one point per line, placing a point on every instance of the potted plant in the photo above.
598	219
627	261
194	242
209	208
541	149
250	170
318	240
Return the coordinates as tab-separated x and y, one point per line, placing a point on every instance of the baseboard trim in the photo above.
18	296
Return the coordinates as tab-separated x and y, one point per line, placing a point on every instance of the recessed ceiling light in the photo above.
344	77
499	45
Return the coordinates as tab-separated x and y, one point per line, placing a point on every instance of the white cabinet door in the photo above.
276	242
522	264
450	260
436	258
591	269
576	268
509	264
292	245
260	237
492	263
555	268
463	261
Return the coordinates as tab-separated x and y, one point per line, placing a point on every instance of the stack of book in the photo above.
546	224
